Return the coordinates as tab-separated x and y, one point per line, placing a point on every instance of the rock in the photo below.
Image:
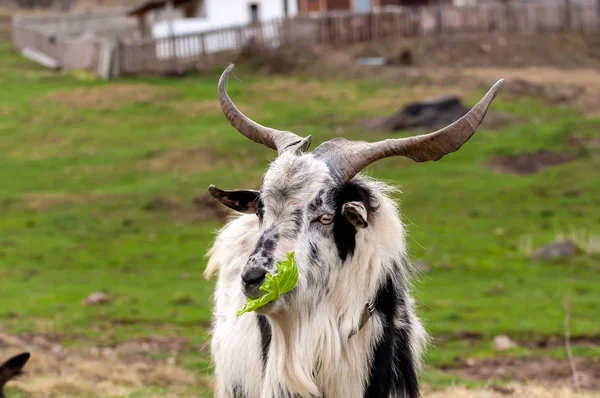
565	248
471	362
97	298
504	343
422	266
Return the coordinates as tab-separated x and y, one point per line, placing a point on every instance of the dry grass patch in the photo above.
6	110
112	96
288	89
44	201
180	160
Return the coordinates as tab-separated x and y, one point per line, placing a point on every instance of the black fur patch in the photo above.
317	202
313	253
298	217
392	367
265	337
237	392
11	369
344	233
260	210
242	200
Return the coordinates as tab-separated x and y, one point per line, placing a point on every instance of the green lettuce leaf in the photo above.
275	285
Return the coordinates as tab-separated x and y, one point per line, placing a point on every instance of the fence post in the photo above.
597	14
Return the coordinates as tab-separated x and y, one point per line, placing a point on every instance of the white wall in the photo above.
237	12
221	14
463	3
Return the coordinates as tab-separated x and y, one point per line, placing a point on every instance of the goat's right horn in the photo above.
271	138
347	158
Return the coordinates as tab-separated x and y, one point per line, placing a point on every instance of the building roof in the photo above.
154	5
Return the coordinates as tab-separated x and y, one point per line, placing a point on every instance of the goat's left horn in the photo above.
348	158
271	138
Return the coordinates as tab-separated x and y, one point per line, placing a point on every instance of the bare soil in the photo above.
517	390
528	163
54	370
544	341
202	207
539	370
180	161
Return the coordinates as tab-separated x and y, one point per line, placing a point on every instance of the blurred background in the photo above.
111	132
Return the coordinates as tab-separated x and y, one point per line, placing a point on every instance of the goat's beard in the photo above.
301	345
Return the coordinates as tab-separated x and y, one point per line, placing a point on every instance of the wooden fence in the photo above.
112	57
208	48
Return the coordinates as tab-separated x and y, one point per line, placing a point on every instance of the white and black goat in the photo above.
349	328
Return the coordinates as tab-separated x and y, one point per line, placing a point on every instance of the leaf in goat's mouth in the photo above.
275	285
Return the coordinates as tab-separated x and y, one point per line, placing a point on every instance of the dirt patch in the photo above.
54	370
543	342
180	160
541	369
512	390
112	96
143	348
203	207
528	163
552	94
44	201
574	87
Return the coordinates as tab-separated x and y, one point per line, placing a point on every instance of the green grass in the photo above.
466	220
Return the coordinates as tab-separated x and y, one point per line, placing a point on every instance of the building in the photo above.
310	6
172	22
201	15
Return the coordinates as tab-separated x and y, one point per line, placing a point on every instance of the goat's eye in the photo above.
326	219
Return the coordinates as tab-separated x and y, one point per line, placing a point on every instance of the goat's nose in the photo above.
253	276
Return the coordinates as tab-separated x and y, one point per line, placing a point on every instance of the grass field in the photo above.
98	182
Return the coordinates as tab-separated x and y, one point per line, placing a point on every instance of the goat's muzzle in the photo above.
252	280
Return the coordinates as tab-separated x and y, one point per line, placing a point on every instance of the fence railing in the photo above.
140	55
149	54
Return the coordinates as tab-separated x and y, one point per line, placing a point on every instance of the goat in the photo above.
349	328
11	369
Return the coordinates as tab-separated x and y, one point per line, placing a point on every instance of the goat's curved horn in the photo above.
347	158
271	138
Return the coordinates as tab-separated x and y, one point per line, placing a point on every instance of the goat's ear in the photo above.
242	200
356	214
12	368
